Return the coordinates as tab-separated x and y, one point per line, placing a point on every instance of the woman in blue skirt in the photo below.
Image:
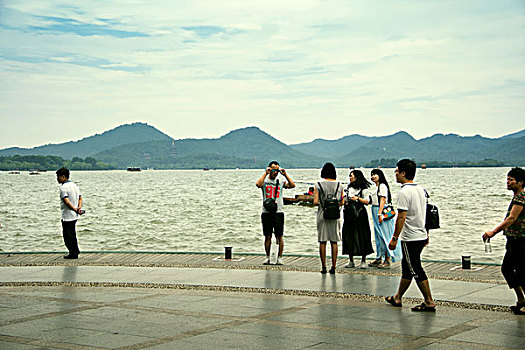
383	229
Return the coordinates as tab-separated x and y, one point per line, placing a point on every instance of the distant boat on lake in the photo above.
133	168
14	172
34	172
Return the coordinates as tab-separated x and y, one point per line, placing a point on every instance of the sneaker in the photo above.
363	265
350	265
375	263
266	261
279	261
70	256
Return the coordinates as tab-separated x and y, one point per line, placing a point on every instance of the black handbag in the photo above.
432	219
270	204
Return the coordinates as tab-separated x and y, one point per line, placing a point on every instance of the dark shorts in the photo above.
273	223
411	262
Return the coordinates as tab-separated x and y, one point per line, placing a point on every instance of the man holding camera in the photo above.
272	216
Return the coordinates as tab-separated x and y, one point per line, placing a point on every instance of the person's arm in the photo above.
382	201
342	201
80	202
509	220
289	182
400	223
316	196
68	204
260	183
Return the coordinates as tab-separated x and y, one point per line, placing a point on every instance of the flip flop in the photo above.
424	308
392	302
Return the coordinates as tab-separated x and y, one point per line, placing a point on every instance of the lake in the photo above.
203	211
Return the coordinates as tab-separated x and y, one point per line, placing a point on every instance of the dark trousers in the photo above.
70	236
513	265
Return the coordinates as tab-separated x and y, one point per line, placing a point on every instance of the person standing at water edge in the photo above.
357	238
513	265
410	229
383	230
272	216
71	207
328	229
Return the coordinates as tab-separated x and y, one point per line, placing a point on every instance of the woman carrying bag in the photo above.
357	240
383	222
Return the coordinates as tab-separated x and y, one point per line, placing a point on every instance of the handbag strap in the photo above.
276	189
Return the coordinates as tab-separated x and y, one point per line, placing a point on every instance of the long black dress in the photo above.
357	237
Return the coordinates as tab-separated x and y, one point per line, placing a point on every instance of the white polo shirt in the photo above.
70	191
412	199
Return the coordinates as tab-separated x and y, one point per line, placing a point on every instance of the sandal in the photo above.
392	302
385	265
516	309
375	263
332	270
323	270
424	308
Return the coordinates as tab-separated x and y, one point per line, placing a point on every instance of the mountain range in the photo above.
142	145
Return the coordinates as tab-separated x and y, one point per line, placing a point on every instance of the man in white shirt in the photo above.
273	222
71	207
410	228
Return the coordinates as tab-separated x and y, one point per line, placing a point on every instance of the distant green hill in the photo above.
122	135
359	150
144	146
242	148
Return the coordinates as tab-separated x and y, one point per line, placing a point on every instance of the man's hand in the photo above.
488	235
283	172
268	171
393	243
380	218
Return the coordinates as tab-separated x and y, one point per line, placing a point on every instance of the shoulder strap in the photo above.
276	189
337	190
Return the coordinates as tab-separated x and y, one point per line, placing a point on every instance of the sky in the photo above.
299	70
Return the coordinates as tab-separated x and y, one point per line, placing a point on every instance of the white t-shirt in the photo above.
350	192
268	191
383	192
412	199
70	191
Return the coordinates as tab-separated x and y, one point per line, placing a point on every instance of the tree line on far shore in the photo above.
51	163
391	163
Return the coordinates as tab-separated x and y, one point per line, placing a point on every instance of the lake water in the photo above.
203	211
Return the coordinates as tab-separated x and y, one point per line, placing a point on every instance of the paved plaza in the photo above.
154	307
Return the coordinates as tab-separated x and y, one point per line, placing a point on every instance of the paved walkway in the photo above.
131	307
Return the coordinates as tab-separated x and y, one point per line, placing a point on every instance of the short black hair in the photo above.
408	166
328	171
63	171
273	162
518	174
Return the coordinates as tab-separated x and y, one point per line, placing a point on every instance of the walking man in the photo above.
410	230
71	207
272	216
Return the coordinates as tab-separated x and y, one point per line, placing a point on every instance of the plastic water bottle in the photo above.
488	247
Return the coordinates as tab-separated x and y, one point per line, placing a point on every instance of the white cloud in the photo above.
203	68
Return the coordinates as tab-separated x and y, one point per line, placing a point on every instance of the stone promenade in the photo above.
201	301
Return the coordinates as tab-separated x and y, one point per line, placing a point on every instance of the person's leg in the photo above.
424	287
401	289
279	232
363	259
322	254
280	241
334	253
267	244
70	237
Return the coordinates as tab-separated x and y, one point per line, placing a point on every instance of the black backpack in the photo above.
330	204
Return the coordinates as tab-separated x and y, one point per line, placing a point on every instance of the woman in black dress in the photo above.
357	237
